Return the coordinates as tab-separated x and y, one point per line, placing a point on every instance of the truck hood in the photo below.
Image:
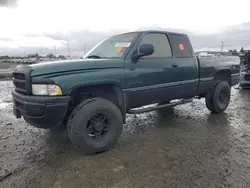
47	68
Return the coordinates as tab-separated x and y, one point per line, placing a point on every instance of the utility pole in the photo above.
222	44
55	50
68	45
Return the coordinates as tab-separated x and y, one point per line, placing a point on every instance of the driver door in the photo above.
148	80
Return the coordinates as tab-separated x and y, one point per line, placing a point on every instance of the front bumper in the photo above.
40	111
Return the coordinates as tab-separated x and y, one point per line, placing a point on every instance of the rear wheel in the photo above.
95	125
209	101
218	99
244	86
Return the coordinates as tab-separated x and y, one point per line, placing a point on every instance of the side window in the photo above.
180	45
161	45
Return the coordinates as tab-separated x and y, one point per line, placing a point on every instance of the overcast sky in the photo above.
26	23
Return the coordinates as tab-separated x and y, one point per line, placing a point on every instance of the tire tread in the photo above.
84	105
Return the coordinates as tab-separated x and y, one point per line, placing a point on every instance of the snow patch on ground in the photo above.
3	105
5	97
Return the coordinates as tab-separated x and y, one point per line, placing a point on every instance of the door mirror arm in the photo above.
135	57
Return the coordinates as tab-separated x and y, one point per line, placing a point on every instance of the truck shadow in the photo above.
58	138
218	119
165	117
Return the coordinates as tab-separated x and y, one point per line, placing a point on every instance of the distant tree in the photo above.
242	50
4	57
234	52
230	50
51	56
33	55
61	57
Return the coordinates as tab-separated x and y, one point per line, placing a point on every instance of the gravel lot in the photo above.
185	146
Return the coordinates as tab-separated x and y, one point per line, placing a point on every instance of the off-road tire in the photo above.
213	102
209	101
244	86
79	118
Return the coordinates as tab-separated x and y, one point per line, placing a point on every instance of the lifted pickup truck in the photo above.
120	74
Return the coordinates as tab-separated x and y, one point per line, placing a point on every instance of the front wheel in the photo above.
218	99
95	125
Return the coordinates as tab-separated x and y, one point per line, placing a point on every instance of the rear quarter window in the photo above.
180	45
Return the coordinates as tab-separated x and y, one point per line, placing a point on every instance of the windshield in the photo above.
113	47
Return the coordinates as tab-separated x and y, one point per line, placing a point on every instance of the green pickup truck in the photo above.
92	96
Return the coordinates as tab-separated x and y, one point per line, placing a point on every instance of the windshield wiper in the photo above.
94	56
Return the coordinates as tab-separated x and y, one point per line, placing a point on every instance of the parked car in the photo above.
126	71
245	69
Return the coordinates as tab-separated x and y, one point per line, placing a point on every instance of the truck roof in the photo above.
156	31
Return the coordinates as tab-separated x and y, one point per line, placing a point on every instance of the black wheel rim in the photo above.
224	96
98	127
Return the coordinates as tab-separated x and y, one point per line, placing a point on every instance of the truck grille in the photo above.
21	80
19	76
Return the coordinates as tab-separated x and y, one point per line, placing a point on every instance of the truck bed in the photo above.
208	67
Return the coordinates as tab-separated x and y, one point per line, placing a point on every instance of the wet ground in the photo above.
6	69
7	65
185	147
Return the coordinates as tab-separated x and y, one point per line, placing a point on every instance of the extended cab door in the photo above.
186	65
149	78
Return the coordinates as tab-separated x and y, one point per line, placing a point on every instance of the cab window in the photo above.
161	45
181	46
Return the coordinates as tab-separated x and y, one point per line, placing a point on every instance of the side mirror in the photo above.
143	50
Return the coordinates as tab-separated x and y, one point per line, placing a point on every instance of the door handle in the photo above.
174	65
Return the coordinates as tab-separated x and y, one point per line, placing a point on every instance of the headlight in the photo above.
42	89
